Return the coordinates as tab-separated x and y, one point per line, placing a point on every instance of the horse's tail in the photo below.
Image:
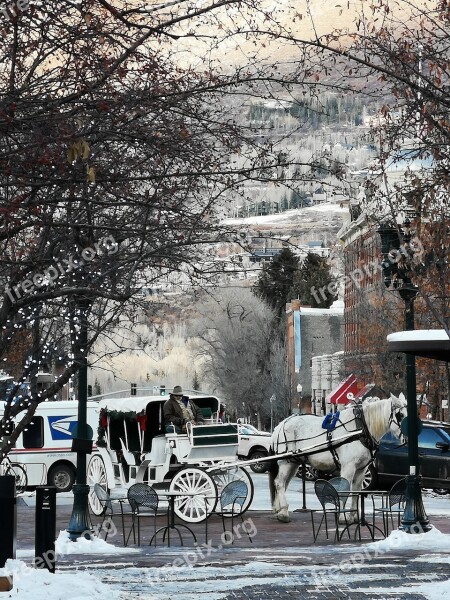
273	472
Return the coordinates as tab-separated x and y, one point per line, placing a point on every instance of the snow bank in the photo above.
39	584
399	540
96	545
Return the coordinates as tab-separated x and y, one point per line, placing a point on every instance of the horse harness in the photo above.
367	438
330	423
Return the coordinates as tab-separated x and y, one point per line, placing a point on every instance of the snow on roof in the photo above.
138	404
418	335
429	343
135	404
333	310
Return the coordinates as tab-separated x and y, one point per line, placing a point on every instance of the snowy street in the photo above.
280	561
434	504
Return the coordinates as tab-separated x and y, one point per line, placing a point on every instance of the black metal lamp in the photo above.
396	273
79	522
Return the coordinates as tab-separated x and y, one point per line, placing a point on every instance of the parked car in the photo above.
311	473
254	444
391	460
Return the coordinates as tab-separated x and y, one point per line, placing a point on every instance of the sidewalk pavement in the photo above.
279	561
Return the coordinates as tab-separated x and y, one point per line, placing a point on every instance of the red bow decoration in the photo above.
103	419
142	420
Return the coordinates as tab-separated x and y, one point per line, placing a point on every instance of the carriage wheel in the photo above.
225	476
96	473
195	508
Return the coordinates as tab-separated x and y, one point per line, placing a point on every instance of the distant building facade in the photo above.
311	332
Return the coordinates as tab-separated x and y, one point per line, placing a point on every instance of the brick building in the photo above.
371	310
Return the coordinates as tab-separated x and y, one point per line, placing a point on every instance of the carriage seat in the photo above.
207	414
129	457
157	454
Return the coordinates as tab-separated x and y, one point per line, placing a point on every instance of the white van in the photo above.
44	449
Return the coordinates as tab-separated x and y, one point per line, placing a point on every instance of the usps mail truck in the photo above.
44	449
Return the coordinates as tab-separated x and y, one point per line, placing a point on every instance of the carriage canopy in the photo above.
137	420
140	404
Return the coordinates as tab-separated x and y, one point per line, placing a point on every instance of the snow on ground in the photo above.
434	505
178	579
400	540
124	582
289	215
432	590
218	581
64	545
39	584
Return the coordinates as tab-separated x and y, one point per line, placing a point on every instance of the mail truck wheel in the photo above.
62	477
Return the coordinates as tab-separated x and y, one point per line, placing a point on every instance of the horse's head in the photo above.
384	415
398	412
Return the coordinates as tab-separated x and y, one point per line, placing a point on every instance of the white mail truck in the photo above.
44	449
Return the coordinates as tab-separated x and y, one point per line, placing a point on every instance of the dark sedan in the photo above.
391	460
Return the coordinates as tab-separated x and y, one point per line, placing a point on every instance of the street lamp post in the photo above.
79	523
414	518
299	392
271	400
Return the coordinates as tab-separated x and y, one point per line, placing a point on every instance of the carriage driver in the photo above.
179	410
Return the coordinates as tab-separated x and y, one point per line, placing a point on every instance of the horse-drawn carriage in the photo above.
132	447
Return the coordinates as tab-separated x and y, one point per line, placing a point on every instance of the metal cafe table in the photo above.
171	526
362	521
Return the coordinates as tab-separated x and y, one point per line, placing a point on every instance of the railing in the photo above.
145	391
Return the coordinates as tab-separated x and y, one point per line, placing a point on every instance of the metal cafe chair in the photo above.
394	504
231	502
144	502
342	485
331	502
107	503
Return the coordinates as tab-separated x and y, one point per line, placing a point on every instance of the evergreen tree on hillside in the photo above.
276	280
196	381
284	203
313	283
298	199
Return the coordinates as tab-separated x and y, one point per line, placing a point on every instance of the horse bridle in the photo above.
396	416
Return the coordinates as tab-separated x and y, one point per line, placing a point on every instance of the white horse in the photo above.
342	448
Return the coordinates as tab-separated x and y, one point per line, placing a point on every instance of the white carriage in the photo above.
133	448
